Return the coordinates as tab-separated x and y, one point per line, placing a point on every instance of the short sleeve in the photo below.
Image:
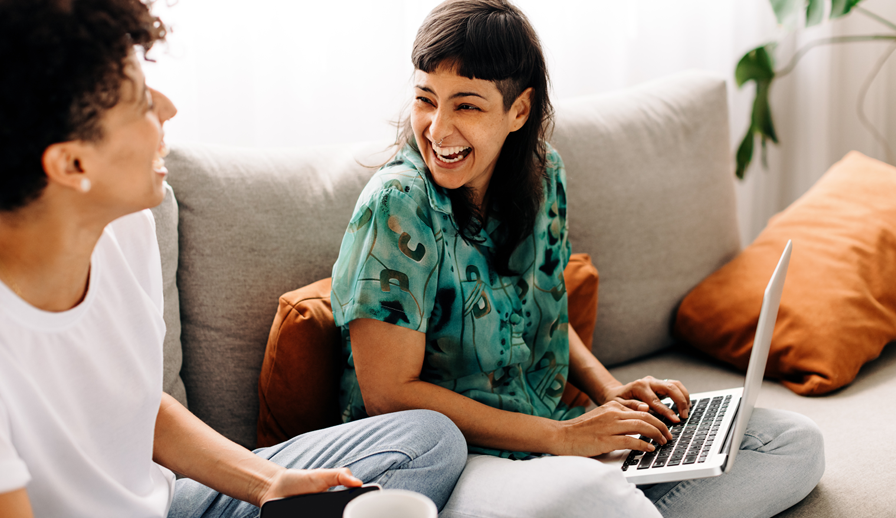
14	473
387	263
557	189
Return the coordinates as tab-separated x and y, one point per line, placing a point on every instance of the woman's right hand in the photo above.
608	428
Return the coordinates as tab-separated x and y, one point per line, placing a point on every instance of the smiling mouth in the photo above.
449	155
158	163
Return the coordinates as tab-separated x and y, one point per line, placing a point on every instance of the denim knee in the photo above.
809	445
447	439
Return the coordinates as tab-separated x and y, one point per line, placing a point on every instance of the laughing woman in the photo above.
449	290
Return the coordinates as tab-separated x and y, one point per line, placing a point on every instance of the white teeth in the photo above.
158	163
443	152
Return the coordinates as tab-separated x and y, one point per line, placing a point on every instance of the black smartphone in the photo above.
329	504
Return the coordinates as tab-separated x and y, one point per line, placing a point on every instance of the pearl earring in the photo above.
85	185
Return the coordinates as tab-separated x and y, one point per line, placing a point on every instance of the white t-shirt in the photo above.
80	390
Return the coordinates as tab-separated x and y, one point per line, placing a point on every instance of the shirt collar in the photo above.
440	201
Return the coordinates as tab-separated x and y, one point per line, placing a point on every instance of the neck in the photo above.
45	254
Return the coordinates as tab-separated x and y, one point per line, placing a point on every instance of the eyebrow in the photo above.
454	96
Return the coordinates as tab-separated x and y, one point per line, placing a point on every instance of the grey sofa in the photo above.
651	198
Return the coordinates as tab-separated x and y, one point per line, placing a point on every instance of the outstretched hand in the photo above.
289	482
645	394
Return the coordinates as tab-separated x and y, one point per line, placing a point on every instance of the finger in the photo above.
335	477
687	399
634	404
673	389
680	397
625	442
649	396
652	421
642	428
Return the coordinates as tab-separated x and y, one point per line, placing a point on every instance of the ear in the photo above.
62	164
521	109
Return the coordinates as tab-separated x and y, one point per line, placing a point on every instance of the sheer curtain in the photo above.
274	73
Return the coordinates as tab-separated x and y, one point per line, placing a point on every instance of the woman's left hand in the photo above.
645	394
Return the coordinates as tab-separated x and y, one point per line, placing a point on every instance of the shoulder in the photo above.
133	238
403	179
554	175
555	170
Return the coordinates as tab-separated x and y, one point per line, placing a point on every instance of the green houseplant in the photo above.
758	65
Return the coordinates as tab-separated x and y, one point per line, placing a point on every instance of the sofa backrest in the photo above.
650	198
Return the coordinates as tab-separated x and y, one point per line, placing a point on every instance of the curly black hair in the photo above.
63	65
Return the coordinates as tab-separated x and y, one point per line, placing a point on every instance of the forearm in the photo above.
15	504
586	372
481	424
186	445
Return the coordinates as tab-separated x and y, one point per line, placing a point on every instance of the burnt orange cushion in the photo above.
299	381
838	309
298	389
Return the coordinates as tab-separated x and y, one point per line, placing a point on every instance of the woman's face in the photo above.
125	168
467	116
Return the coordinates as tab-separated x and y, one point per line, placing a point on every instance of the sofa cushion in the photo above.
298	389
838	309
299	381
166	233
651	199
253	225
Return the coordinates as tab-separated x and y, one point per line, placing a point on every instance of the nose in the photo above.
442	125
165	107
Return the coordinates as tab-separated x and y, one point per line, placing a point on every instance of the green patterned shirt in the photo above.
502	341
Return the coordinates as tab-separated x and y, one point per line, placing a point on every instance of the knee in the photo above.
444	438
802	441
809	443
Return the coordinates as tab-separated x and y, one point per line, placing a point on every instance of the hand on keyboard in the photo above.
646	393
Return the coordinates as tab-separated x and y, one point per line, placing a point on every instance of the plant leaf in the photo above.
842	7
745	153
786	10
814	12
756	65
762	113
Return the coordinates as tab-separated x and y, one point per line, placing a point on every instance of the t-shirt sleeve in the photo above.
14	473
387	263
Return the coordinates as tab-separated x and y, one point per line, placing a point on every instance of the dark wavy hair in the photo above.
494	41
63	65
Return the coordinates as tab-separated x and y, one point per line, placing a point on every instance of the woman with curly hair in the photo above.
85	429
450	293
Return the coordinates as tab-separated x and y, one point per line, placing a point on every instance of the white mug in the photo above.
391	503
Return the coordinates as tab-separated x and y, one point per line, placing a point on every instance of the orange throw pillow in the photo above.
298	389
838	309
299	383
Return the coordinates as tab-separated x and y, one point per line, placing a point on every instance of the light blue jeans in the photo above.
781	460
418	450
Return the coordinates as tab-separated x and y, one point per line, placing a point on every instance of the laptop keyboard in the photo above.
692	438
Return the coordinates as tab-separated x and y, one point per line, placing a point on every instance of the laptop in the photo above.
705	444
